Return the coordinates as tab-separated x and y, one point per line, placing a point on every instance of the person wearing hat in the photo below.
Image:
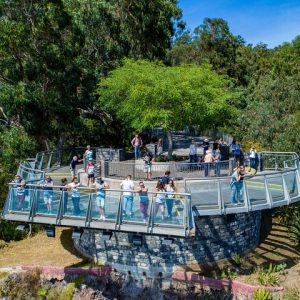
100	185
208	159
90	170
205	145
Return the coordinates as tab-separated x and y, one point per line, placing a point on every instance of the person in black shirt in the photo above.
75	161
205	146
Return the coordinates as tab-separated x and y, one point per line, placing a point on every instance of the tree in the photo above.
143	94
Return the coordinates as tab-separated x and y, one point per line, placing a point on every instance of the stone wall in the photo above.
217	237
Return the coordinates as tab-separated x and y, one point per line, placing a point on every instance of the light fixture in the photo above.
50	231
22	227
106	235
137	240
77	233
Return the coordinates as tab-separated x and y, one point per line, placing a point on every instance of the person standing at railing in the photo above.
252	157
127	185
47	185
208	159
64	184
74	186
170	188
165	179
137	143
193	152
21	191
237	151
160	199
74	162
205	146
100	185
236	185
217	160
90	170
144	200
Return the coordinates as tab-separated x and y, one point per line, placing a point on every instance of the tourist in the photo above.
148	165
205	146
223	149
127	185
217	160
21	190
137	143
160	147
165	179
236	151
100	186
193	152
88	154
152	148
90	170
170	188
47	185
215	147
208	159
74	186
160	199
17	180
64	184
236	185
144	200
253	157
75	161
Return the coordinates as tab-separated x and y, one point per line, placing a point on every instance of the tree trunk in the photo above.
61	142
170	145
46	141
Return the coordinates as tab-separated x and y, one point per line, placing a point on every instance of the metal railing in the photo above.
179	170
170	214
219	195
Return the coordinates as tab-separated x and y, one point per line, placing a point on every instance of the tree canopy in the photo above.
146	94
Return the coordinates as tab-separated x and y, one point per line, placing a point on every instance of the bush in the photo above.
22	285
228	273
294	231
269	276
68	292
262	294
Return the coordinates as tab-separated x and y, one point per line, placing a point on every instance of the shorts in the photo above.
72	172
100	201
91	175
48	197
147	168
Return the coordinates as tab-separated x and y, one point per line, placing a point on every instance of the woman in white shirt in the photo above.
170	188
160	199
74	185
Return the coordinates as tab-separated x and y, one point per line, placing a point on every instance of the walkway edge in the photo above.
234	285
61	271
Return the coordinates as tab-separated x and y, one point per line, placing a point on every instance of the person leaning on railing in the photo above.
74	186
170	188
144	200
100	185
160	199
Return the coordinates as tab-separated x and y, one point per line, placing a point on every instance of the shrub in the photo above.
292	294
294	231
42	293
68	292
53	294
269	276
237	259
262	294
228	273
3	244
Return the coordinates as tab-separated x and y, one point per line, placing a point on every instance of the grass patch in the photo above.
3	275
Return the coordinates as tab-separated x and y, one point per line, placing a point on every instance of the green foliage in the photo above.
237	259
3	275
143	94
68	292
15	145
228	273
268	276
42	293
294	231
292	294
22	285
261	294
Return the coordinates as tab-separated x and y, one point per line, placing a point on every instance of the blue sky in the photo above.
269	21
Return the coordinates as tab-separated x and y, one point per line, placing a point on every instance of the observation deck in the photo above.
276	184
